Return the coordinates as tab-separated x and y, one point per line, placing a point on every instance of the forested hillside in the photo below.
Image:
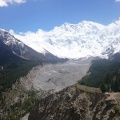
12	71
104	74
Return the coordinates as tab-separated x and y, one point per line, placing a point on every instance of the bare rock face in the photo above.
78	103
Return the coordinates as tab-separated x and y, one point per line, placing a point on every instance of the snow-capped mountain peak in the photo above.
86	38
15	49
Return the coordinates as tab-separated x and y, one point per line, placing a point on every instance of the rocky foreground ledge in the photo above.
78	103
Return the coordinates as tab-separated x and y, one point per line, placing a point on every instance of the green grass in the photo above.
89	89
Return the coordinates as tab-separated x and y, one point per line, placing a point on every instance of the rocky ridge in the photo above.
78	103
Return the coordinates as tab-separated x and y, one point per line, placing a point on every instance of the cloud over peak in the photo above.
5	3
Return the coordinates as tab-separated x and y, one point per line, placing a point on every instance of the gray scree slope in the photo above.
55	77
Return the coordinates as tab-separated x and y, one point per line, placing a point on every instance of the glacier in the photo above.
75	41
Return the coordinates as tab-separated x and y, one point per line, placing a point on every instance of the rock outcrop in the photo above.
78	103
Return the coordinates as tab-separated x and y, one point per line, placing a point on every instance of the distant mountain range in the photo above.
12	49
76	40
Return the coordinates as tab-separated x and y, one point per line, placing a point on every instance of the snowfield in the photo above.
75	40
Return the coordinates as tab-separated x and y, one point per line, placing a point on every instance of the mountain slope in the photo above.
21	50
77	103
6	55
104	73
76	40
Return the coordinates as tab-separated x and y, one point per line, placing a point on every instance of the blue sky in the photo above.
31	15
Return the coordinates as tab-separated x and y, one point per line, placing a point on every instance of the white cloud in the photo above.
117	0
5	3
